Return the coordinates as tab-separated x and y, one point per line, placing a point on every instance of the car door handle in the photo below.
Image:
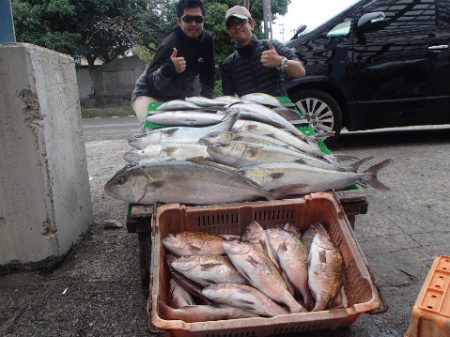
438	48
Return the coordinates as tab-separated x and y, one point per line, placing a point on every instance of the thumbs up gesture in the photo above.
270	57
178	62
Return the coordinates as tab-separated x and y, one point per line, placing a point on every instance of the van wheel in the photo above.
322	111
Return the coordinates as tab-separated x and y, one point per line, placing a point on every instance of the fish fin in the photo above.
300	161
299	121
354	167
207	266
323	135
370	175
194	247
289	189
343	157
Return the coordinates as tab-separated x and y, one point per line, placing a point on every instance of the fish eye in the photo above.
121	180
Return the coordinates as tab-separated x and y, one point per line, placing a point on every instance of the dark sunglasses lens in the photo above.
236	21
190	18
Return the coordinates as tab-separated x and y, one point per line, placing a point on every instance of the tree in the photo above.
90	28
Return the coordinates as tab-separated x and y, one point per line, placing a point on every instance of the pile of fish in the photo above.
230	149
262	272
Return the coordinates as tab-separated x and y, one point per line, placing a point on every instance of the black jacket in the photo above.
243	73
161	81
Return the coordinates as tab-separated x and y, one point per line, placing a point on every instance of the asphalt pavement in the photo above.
96	291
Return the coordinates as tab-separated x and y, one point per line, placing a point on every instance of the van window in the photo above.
443	13
405	14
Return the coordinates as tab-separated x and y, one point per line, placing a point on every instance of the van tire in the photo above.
321	110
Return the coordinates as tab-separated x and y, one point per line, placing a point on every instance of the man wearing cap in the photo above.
185	54
256	65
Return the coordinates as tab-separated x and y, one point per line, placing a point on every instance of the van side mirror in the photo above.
299	30
371	22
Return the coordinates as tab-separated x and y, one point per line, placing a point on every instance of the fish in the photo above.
293	230
184	182
227	100
194	289
245	297
244	136
325	269
202	313
258	112
185	118
260	272
202	101
177	104
207	269
308	236
261	98
304	143
304	179
293	259
186	243
165	151
178	296
240	154
181	134
254	233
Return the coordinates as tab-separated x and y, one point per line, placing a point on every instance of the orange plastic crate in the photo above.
359	287
430	316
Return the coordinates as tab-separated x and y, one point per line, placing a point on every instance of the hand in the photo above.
178	62
270	57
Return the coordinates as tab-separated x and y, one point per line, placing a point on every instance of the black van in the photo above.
379	63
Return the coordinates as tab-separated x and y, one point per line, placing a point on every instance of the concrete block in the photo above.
45	201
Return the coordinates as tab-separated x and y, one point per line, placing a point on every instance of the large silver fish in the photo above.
240	154
187	243
181	134
177	104
207	269
202	101
227	100
304	179
293	259
325	269
304	143
244	297
165	151
261	98
182	182
243	136
260	272
182	118
258	112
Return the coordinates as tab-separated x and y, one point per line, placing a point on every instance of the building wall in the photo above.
109	85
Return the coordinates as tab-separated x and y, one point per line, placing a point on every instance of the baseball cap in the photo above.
238	12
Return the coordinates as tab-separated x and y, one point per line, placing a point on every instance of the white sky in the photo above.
309	12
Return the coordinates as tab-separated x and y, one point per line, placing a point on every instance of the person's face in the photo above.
190	22
240	30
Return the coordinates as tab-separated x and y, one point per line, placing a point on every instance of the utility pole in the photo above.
246	4
7	34
267	16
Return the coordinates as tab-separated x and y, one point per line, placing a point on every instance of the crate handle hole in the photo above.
441	276
433	296
438	286
445	268
429	307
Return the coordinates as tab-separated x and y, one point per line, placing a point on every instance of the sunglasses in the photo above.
191	18
236	21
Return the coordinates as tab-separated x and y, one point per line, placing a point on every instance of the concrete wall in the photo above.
109	85
45	203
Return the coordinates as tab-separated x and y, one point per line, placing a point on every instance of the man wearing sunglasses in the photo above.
185	55
256	65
